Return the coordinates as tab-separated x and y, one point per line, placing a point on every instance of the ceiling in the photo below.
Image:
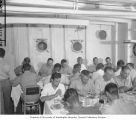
65	8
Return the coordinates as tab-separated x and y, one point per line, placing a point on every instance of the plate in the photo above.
56	106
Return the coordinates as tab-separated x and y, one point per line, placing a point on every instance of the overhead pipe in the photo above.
68	11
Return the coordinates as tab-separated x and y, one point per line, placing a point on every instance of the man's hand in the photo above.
58	93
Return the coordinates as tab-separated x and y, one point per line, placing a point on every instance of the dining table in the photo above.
129	96
49	107
55	107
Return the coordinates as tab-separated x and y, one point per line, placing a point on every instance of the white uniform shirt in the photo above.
49	90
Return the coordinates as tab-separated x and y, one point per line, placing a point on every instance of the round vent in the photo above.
77	46
42	46
102	34
134	49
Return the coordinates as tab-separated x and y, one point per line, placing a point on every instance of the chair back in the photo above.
32	93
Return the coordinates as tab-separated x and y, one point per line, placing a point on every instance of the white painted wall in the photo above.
59	43
96	47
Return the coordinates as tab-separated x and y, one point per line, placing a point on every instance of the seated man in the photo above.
84	85
56	68
80	61
99	71
116	105
92	68
47	68
28	78
76	72
65	68
18	70
71	99
123	80
108	62
120	63
132	71
52	91
101	82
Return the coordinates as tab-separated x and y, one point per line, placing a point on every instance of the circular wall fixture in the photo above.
76	46
134	49
41	45
102	34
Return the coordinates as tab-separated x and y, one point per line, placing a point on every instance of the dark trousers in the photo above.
6	103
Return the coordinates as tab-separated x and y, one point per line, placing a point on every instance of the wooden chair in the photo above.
31	97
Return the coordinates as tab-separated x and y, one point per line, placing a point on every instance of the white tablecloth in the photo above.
15	95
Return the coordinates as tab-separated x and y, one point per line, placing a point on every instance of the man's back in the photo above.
28	78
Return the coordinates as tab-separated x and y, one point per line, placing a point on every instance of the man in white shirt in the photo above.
52	91
123	80
115	105
6	77
101	82
99	71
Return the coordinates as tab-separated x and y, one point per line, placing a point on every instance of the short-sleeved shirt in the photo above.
49	90
100	84
83	67
45	70
109	65
97	74
81	88
26	79
75	76
92	68
117	73
133	75
18	70
123	82
67	70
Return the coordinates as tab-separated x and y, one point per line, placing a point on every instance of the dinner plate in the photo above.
56	106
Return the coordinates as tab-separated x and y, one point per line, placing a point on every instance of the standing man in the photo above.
6	74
